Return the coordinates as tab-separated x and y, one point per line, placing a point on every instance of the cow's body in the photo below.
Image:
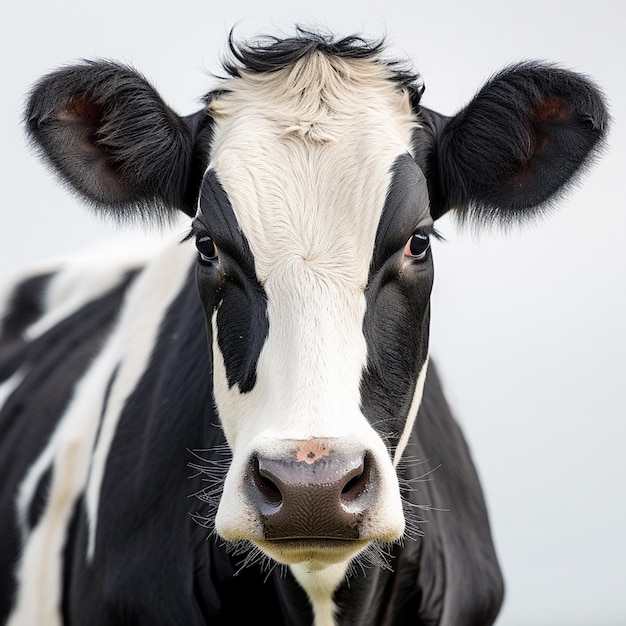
311	426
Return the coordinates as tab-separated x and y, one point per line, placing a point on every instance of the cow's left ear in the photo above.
110	136
517	145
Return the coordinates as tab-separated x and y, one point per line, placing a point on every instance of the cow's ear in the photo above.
517	145
111	137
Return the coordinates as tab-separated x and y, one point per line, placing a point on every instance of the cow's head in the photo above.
312	179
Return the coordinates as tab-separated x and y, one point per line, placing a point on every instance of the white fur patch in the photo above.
412	415
320	587
305	155
90	274
10	385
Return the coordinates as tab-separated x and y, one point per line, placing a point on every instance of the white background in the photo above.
528	328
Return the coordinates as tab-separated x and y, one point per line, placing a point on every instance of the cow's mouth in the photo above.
317	552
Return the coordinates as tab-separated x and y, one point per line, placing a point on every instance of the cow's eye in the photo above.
206	249
417	246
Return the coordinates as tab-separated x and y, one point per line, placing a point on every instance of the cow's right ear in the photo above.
516	146
110	136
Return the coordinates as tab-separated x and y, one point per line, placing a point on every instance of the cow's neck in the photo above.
320	587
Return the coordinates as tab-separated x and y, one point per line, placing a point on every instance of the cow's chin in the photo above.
313	553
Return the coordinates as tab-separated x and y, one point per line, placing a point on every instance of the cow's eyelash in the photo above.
194	231
430	231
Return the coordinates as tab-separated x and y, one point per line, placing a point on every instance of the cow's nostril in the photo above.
268	489
358	483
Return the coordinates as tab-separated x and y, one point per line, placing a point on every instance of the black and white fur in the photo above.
295	337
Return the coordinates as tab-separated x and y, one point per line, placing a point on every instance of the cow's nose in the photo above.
326	498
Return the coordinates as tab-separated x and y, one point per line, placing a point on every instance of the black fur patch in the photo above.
40	499
231	283
25	307
396	323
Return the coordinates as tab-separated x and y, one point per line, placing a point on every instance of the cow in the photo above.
244	424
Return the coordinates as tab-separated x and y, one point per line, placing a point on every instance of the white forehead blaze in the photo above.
305	155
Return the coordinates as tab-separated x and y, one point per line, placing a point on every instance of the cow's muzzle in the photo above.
315	495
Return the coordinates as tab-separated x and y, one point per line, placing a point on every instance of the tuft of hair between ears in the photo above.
271	53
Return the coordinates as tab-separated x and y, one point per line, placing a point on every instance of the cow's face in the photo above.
315	273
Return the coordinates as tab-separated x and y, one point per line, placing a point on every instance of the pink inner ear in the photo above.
553	109
82	110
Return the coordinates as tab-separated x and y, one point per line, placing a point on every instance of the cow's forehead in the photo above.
306	155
